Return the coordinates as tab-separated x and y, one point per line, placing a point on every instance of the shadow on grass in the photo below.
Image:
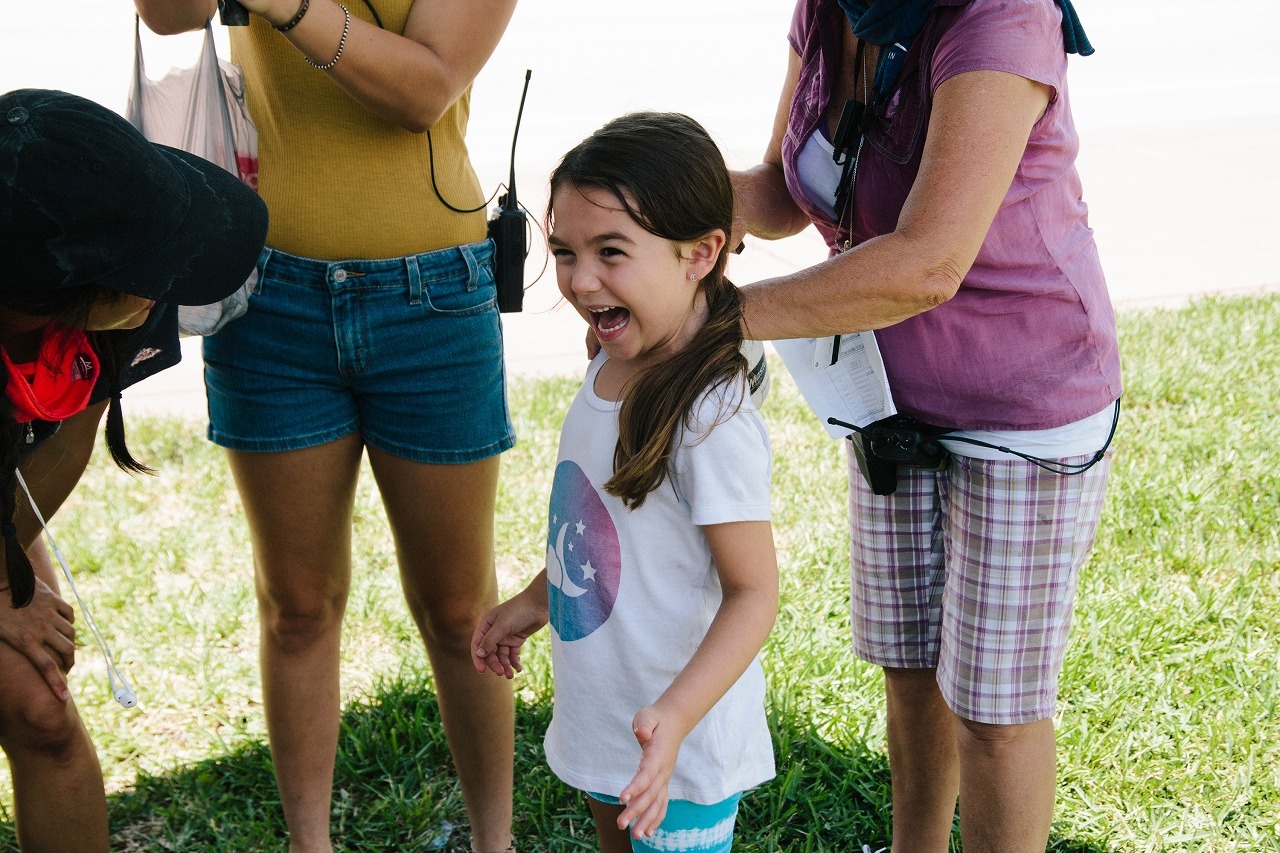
394	790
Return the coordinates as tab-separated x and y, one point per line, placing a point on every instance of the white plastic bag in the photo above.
200	110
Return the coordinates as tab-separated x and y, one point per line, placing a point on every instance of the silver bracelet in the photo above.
342	42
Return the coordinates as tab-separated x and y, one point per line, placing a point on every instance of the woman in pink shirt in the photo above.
931	143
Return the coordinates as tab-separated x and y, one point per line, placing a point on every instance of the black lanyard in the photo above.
855	117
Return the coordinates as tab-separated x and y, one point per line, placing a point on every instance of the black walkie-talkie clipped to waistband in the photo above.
508	230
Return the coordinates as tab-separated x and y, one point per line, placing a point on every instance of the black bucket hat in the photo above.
85	199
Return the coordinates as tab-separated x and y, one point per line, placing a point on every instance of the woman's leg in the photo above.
1016	538
896	593
299	507
59	802
923	763
1004	774
442	520
60	805
1007	781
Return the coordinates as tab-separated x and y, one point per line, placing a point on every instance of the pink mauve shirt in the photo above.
1029	339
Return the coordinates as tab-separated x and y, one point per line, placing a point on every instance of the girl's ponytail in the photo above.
662	400
108	345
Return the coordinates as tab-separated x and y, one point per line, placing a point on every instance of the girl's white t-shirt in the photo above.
632	593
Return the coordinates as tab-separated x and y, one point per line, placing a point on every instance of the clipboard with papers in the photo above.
841	377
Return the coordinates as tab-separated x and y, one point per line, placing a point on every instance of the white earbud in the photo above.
123	692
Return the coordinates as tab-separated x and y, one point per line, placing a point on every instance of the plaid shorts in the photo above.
973	570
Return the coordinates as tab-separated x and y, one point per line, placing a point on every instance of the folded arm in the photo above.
408	80
43	631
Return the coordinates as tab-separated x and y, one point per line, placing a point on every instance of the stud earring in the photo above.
693	276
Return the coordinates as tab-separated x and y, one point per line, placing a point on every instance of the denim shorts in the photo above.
407	351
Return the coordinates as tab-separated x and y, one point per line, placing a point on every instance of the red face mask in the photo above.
58	383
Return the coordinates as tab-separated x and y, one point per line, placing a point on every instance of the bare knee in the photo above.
447	626
296	621
993	736
36	722
447	610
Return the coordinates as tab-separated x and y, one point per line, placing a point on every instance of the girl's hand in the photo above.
645	797
502	631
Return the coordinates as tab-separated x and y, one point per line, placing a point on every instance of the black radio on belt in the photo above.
882	446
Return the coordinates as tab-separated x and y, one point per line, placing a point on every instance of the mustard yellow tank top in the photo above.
339	181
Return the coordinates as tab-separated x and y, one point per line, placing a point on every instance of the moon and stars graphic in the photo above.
584	559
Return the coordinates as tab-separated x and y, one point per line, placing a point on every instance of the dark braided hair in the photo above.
22	580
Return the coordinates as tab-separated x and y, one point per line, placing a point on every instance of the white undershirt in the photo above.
819	174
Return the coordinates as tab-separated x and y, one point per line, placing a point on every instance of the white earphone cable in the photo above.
122	691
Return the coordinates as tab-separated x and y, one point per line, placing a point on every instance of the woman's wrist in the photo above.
342	43
293	22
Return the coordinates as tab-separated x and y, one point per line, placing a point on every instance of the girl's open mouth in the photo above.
609	322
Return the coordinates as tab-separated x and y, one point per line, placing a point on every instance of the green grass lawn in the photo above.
1168	730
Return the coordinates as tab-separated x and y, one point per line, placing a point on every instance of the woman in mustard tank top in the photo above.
374	329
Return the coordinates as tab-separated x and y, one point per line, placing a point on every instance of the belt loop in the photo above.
415	279
473	267
263	259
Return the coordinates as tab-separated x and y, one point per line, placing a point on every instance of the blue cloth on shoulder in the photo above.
888	21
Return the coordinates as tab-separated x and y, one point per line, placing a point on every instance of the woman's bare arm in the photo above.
978	131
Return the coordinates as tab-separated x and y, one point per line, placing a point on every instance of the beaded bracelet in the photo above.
342	42
293	22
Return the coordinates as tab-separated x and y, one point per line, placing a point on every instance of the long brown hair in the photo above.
667	173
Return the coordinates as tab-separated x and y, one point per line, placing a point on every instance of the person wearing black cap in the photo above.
103	234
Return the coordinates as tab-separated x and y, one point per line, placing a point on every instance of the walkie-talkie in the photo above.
508	231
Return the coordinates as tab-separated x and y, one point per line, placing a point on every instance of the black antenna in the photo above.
511	185
508	231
